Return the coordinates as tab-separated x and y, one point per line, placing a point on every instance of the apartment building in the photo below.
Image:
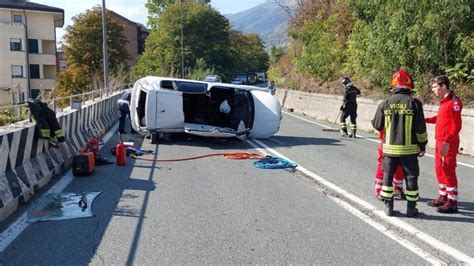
27	49
135	33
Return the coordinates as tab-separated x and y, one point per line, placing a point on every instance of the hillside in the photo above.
268	20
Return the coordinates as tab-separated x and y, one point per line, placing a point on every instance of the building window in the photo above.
33	46
17	18
17	71
34	71
15	44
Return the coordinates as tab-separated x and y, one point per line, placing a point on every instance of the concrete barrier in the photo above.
27	163
326	107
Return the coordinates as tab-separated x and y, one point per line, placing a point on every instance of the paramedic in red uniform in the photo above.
448	124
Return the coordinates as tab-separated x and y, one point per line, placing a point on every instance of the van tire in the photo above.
154	138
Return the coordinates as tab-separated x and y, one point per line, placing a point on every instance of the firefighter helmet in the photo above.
345	81
401	79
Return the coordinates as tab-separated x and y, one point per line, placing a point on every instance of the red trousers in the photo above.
397	178
445	168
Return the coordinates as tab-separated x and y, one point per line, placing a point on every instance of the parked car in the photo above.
236	81
248	78
213	78
168	105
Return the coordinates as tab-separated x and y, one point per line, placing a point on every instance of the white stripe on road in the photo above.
17	227
425	238
362	137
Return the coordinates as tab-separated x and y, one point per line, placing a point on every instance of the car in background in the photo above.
170	105
213	78
248	78
236	81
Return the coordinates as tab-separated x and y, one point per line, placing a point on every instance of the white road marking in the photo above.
362	137
425	238
18	226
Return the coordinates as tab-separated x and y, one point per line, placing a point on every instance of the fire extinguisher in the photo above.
94	143
121	152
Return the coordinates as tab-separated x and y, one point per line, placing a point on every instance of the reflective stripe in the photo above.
412	195
443	186
451	189
400	149
45	133
387	192
353	126
423	137
442	192
388	122
408	128
123	101
58	133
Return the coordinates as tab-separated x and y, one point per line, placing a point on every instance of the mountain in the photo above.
268	20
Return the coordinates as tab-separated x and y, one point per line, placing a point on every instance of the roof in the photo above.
136	24
28	6
24	5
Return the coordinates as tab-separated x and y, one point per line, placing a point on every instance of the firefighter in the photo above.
123	105
448	125
397	178
401	118
349	107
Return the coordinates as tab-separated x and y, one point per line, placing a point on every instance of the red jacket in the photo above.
448	121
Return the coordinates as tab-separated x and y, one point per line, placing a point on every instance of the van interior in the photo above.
204	108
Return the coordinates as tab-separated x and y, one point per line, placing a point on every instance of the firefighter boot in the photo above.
388	206
344	132
439	201
353	133
450	206
412	211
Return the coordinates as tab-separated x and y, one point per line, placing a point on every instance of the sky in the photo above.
133	10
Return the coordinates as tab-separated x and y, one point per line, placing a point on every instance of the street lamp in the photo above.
182	42
104	47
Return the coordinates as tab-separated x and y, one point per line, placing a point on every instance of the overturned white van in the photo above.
170	105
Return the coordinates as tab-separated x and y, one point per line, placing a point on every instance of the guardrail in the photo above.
75	100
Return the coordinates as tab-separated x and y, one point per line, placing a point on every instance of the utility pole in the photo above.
182	41
104	47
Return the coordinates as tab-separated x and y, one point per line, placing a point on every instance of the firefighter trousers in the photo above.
411	171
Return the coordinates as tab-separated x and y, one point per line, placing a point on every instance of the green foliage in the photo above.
9	116
372	39
208	43
200	72
205	36
276	53
248	52
82	47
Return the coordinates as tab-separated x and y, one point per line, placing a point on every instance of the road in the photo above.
216	210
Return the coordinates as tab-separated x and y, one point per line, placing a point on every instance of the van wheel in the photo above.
154	138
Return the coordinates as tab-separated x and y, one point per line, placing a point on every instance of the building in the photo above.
27	49
135	33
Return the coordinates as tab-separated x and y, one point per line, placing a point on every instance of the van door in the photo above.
165	110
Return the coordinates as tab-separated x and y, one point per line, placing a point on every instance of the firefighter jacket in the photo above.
448	121
46	121
402	119
350	98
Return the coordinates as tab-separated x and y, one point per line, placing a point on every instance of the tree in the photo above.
248	52
205	36
208	43
82	47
